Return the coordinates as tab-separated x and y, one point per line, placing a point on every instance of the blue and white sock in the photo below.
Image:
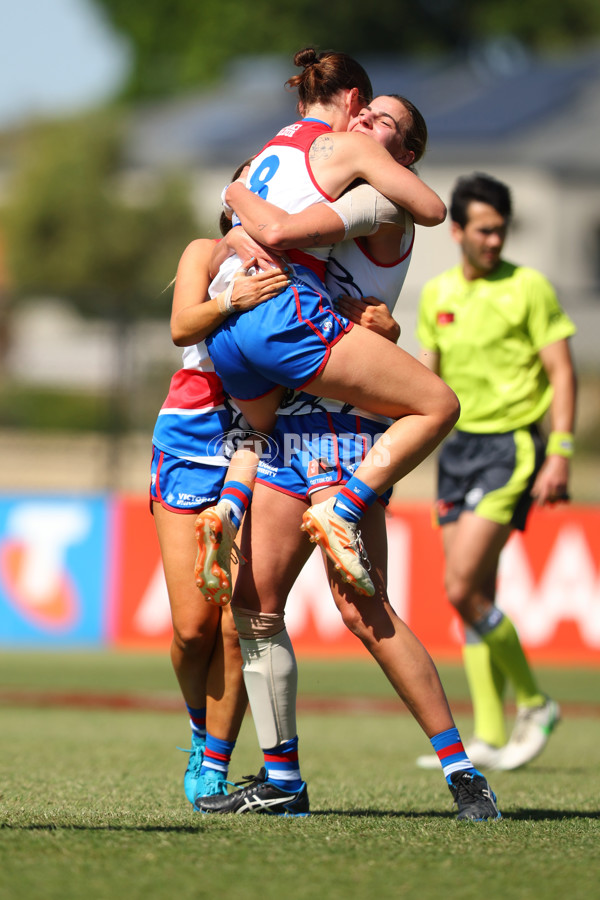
217	754
354	499
197	721
451	753
239	497
281	763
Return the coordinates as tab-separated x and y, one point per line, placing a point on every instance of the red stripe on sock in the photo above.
450	750
282	758
354	499
235	492
221	757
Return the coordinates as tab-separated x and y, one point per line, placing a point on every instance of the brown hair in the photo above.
224	220
325	75
415	138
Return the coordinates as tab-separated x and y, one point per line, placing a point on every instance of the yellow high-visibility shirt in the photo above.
488	333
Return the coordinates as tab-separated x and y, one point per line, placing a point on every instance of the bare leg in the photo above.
265	582
243	465
205	650
262	412
226	700
217	526
370	372
195	622
376	375
472	547
405	662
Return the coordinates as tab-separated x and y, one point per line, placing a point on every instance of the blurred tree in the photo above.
77	225
179	44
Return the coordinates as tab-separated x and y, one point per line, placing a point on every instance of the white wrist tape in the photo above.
363	210
225	299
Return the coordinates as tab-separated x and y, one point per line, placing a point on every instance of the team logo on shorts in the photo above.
318	467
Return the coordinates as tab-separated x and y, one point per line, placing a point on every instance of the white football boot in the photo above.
342	543
533	727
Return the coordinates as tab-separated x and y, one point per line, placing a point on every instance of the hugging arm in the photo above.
194	316
240	242
358	212
371	313
314	226
355	156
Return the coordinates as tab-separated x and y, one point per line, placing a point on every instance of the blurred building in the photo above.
530	122
533	123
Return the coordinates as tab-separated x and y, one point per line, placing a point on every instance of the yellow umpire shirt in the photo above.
488	333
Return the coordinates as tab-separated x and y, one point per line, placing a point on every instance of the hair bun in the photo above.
306	57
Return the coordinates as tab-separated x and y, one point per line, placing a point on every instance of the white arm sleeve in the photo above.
363	210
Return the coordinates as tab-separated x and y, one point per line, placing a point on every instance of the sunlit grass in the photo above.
92	806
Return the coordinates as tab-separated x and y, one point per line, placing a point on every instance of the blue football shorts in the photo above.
311	452
182	486
285	341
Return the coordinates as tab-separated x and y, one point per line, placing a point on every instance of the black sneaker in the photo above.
259	796
474	797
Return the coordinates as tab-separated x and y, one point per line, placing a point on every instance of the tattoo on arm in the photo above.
316	238
321	148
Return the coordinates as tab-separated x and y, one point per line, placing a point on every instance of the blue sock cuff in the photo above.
287	747
216	745
354	499
239	495
445	739
354	485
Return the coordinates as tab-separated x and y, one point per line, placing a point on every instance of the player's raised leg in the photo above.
384	379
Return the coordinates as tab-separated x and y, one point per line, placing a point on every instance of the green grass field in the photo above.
92	807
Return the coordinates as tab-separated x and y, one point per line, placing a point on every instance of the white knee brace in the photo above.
270	675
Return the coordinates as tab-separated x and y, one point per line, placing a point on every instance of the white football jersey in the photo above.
350	270
281	173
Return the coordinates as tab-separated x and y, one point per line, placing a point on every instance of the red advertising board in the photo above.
549	585
139	616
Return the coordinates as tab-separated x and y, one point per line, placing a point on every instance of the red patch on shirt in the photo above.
313	468
445	318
